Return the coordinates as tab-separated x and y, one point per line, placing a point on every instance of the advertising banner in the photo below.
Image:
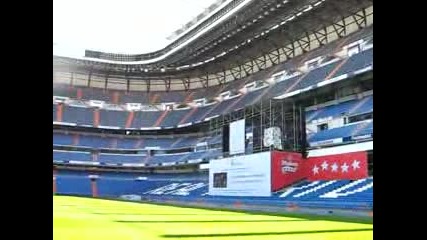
248	175
350	166
286	169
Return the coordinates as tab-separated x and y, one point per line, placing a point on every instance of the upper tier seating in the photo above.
144	119
352	107
355	62
352	130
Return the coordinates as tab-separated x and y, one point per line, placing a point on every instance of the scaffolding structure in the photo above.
286	114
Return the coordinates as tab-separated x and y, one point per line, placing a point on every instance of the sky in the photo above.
119	26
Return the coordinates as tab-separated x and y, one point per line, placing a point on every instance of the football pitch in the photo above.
89	219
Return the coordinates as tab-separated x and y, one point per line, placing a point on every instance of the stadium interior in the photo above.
149	127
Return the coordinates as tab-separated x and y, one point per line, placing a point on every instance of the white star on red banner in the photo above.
355	164
344	167
315	169
334	167
325	165
339	166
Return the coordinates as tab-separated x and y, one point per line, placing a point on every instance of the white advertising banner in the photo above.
248	175
237	137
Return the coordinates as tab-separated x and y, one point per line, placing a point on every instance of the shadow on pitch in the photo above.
163	214
210	221
262	234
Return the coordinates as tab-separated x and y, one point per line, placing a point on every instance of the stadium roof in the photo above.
242	38
125	26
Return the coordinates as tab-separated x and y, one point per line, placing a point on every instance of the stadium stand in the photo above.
65	149
71	156
120	159
96	141
351	107
355	62
342	111
85	116
334	194
352	130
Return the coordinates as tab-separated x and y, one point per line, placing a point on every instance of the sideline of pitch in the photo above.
339	215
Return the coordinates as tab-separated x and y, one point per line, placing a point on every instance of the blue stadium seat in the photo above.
113	118
73	184
352	107
62	139
356	62
316	75
71	156
54	112
121	158
145	119
78	115
173	117
131	143
335	194
342	132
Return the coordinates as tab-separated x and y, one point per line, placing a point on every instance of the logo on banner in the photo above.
288	165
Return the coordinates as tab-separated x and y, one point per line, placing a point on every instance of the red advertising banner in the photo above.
286	169
340	166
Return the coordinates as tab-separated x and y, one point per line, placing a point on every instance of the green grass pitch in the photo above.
91	219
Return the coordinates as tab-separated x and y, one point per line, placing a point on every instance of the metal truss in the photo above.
186	83
360	18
